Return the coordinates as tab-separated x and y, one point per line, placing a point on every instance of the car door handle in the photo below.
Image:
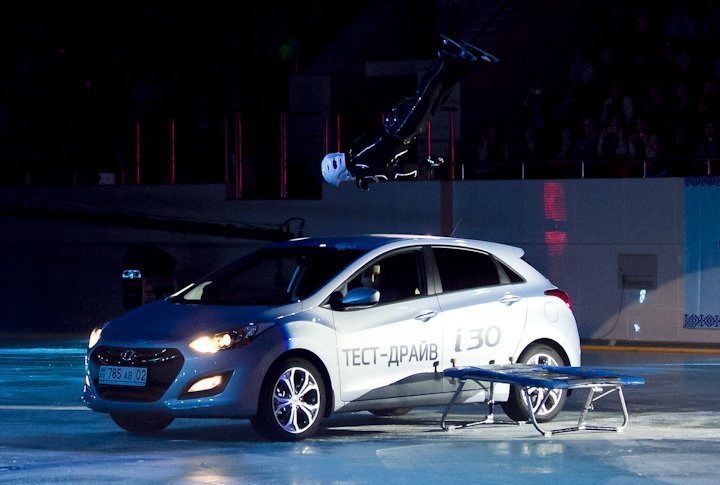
425	316
510	299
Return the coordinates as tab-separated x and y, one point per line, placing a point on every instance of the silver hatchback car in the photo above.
305	328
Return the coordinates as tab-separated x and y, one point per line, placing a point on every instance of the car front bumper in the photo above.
166	390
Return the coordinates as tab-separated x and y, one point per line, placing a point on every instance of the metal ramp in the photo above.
599	383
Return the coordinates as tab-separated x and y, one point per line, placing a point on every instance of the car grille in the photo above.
163	365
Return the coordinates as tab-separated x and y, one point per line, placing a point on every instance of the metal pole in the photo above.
238	156
283	155
452	145
337	130
326	131
226	150
137	153
172	150
429	138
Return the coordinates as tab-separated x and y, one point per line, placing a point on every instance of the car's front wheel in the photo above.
292	400
545	409
142	424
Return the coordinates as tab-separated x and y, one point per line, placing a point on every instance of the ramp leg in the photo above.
588	406
531	411
459	389
626	417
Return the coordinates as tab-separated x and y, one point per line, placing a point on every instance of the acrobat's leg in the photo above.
481	54
407	118
464	51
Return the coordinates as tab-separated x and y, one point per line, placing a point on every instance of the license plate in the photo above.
123	376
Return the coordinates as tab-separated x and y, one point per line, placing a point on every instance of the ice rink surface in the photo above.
48	436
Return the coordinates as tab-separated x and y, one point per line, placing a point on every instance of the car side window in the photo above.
462	269
397	277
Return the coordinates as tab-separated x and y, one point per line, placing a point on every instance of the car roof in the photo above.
368	242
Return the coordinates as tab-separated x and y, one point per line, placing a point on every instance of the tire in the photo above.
391	411
292	401
141	423
516	408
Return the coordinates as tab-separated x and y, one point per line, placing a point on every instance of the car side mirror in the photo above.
357	297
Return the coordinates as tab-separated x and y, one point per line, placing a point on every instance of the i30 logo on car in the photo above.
127	355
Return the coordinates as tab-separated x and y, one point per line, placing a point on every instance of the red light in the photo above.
555	241
555	204
560	294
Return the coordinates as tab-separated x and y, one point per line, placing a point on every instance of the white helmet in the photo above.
334	170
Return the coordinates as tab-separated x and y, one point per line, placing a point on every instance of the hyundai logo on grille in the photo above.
127	355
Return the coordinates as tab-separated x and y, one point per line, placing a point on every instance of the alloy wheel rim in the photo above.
296	400
542	406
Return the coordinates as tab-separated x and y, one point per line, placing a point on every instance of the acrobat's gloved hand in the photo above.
434	163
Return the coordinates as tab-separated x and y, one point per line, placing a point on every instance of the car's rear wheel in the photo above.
391	411
142	424
292	401
516	408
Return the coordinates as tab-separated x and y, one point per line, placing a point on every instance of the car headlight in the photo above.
95	336
209	344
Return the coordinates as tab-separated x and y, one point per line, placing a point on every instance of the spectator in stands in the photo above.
587	145
666	60
684	68
537	106
642	45
608	70
655	166
680	145
638	139
709	24
569	109
680	24
617	105
716	70
492	152
565	148
644	37
709	103
531	147
612	142
652	148
683	109
655	106
708	145
492	147
582	72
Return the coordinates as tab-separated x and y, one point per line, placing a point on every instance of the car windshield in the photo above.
270	276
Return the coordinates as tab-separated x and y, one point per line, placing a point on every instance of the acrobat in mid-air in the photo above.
376	155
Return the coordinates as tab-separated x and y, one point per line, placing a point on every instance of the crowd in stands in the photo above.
646	87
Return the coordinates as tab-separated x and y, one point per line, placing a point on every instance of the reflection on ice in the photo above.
43	351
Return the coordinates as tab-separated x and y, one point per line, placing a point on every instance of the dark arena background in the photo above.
143	147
